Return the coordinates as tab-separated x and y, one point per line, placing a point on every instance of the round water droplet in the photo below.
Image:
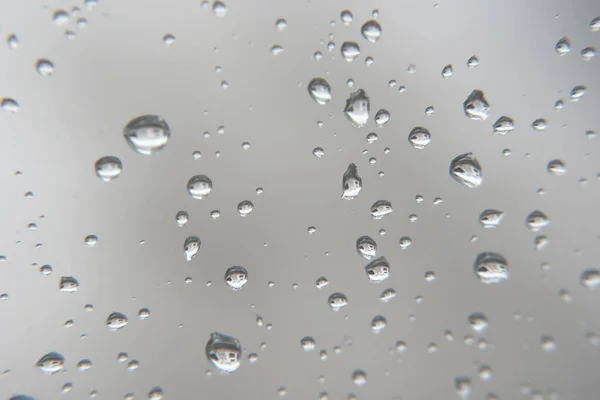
473	62
12	41
491	268
281	24
359	377
181	218
366	247
277	50
465	169
245	207
308	343
463	387
371	30
485	373
337	300
537	220
387	295
577	93
67	387
10	105
60	17
122	357
563	46
143	313
51	363
346	17
46	269
588	53
447	71
91	240
116	320
557	168
478	322
350	51
219	9
380	209
595	25
44	67
147	134
430	276
559	105
405	242
590	278
156	393
548	343
321	282
84	365
319	90
68	284
199	186
382	117
539	124
491	218
378	270
224	352
476	106
318	152
191	246
168	39
351	183
372	137
503	126
419	137
236	277
108	168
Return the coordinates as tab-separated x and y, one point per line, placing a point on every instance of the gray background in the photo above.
118	68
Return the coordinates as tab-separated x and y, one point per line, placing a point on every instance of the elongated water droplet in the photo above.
91	240
147	134
199	186
536	221
366	247
68	284
419	137
503	125
378	270
382	117
577	93
563	46
44	67
337	300
51	363
224	352
351	183
191	247
465	169
236	277
319	91
491	218
371	30
381	208
108	168
590	278
491	268
350	51
557	168
476	106
116	320
84	365
318	152
447	71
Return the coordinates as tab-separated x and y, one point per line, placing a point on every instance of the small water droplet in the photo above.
577	93
116	320
277	50
236	277
419	137
91	240
337	300
67	387
147	134
51	363
588	53
157	393
447	71
478	322
491	218
245	207
371	30
473	62
359	377
318	152
503	126
46	269
191	247
224	352
491	268
319	90
378	270
405	242
381	208
595	24
10	105
199	186
308	343
563	46
387	295
108	168
44	67
476	106
281	24
351	183
559	105
346	17
536	221
84	365
548	344
219	9
556	168
321	282
68	284
350	51
143	313
465	169
13	41
590	278
382	117
181	218
168	39
463	387
60	17
430	276
366	247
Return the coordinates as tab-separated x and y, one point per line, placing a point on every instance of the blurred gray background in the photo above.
117	68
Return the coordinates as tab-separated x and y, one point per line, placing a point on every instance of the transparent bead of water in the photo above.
595	24
319	90
463	387
357	108
147	134
122	357
330	46
13	41
308	343
199	186
378	270
478	322
548	343
252	358
44	67
156	393
68	284
321	282
66	388
541	242
351	183
245	207
84	365
590	278
476	106
503	125
10	105
311	230
318	55
491	218
465	169
430	276
539	124
366	247
473	62
359	377
559	105
337	301
236	277
281	24
346	17
318	152
277	50
577	93
350	51
378	323
382	117
219	9
143	313
491	268
419	137
556	167
116	320
168	39
372	137
380	209
371	30
563	46
224	352
447	71
405	242
593	339
387	294
485	373
108	168
46	269
536	221
588	53
51	363
60	17
429	110
181	218
191	245
91	240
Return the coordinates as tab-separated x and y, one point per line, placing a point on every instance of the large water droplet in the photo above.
503	125
319	91
51	363
350	51
590	278
378	270
366	247
10	105
108	168
419	137
337	300
371	30
224	352
191	247
577	93
219	9
563	46
478	322
465	169
476	106
116	320
199	186
557	167
44	67
357	108
68	284
537	220
346	17
236	277
491	218
491	268
147	134
381	208
539	124
351	183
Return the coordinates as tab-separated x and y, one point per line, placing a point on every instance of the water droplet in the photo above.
559	105
46	269
548	344
319	90
590	278
366	247
557	168
157	393
245	207
380	209
10	105
91	240
419	137
337	300
60	17
491	218
357	108
84	365
321	282
236	277
331	46
359	377
447	71
491	268
116	320
68	284
371	30
539	124
108	168
224	352
281	24
537	220
346	17
485	373
308	343
44	67
476	106
378	270
503	125
563	46
405	242
463	387
350	51
430	276
67	387
51	363
219	9
465	169
577	93
12	41
252	358
372	137
593	339
382	117
199	186
147	134
277	50
429	110
122	357
143	313
478	322
191	247
351	183
387	295
588	53
181	218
